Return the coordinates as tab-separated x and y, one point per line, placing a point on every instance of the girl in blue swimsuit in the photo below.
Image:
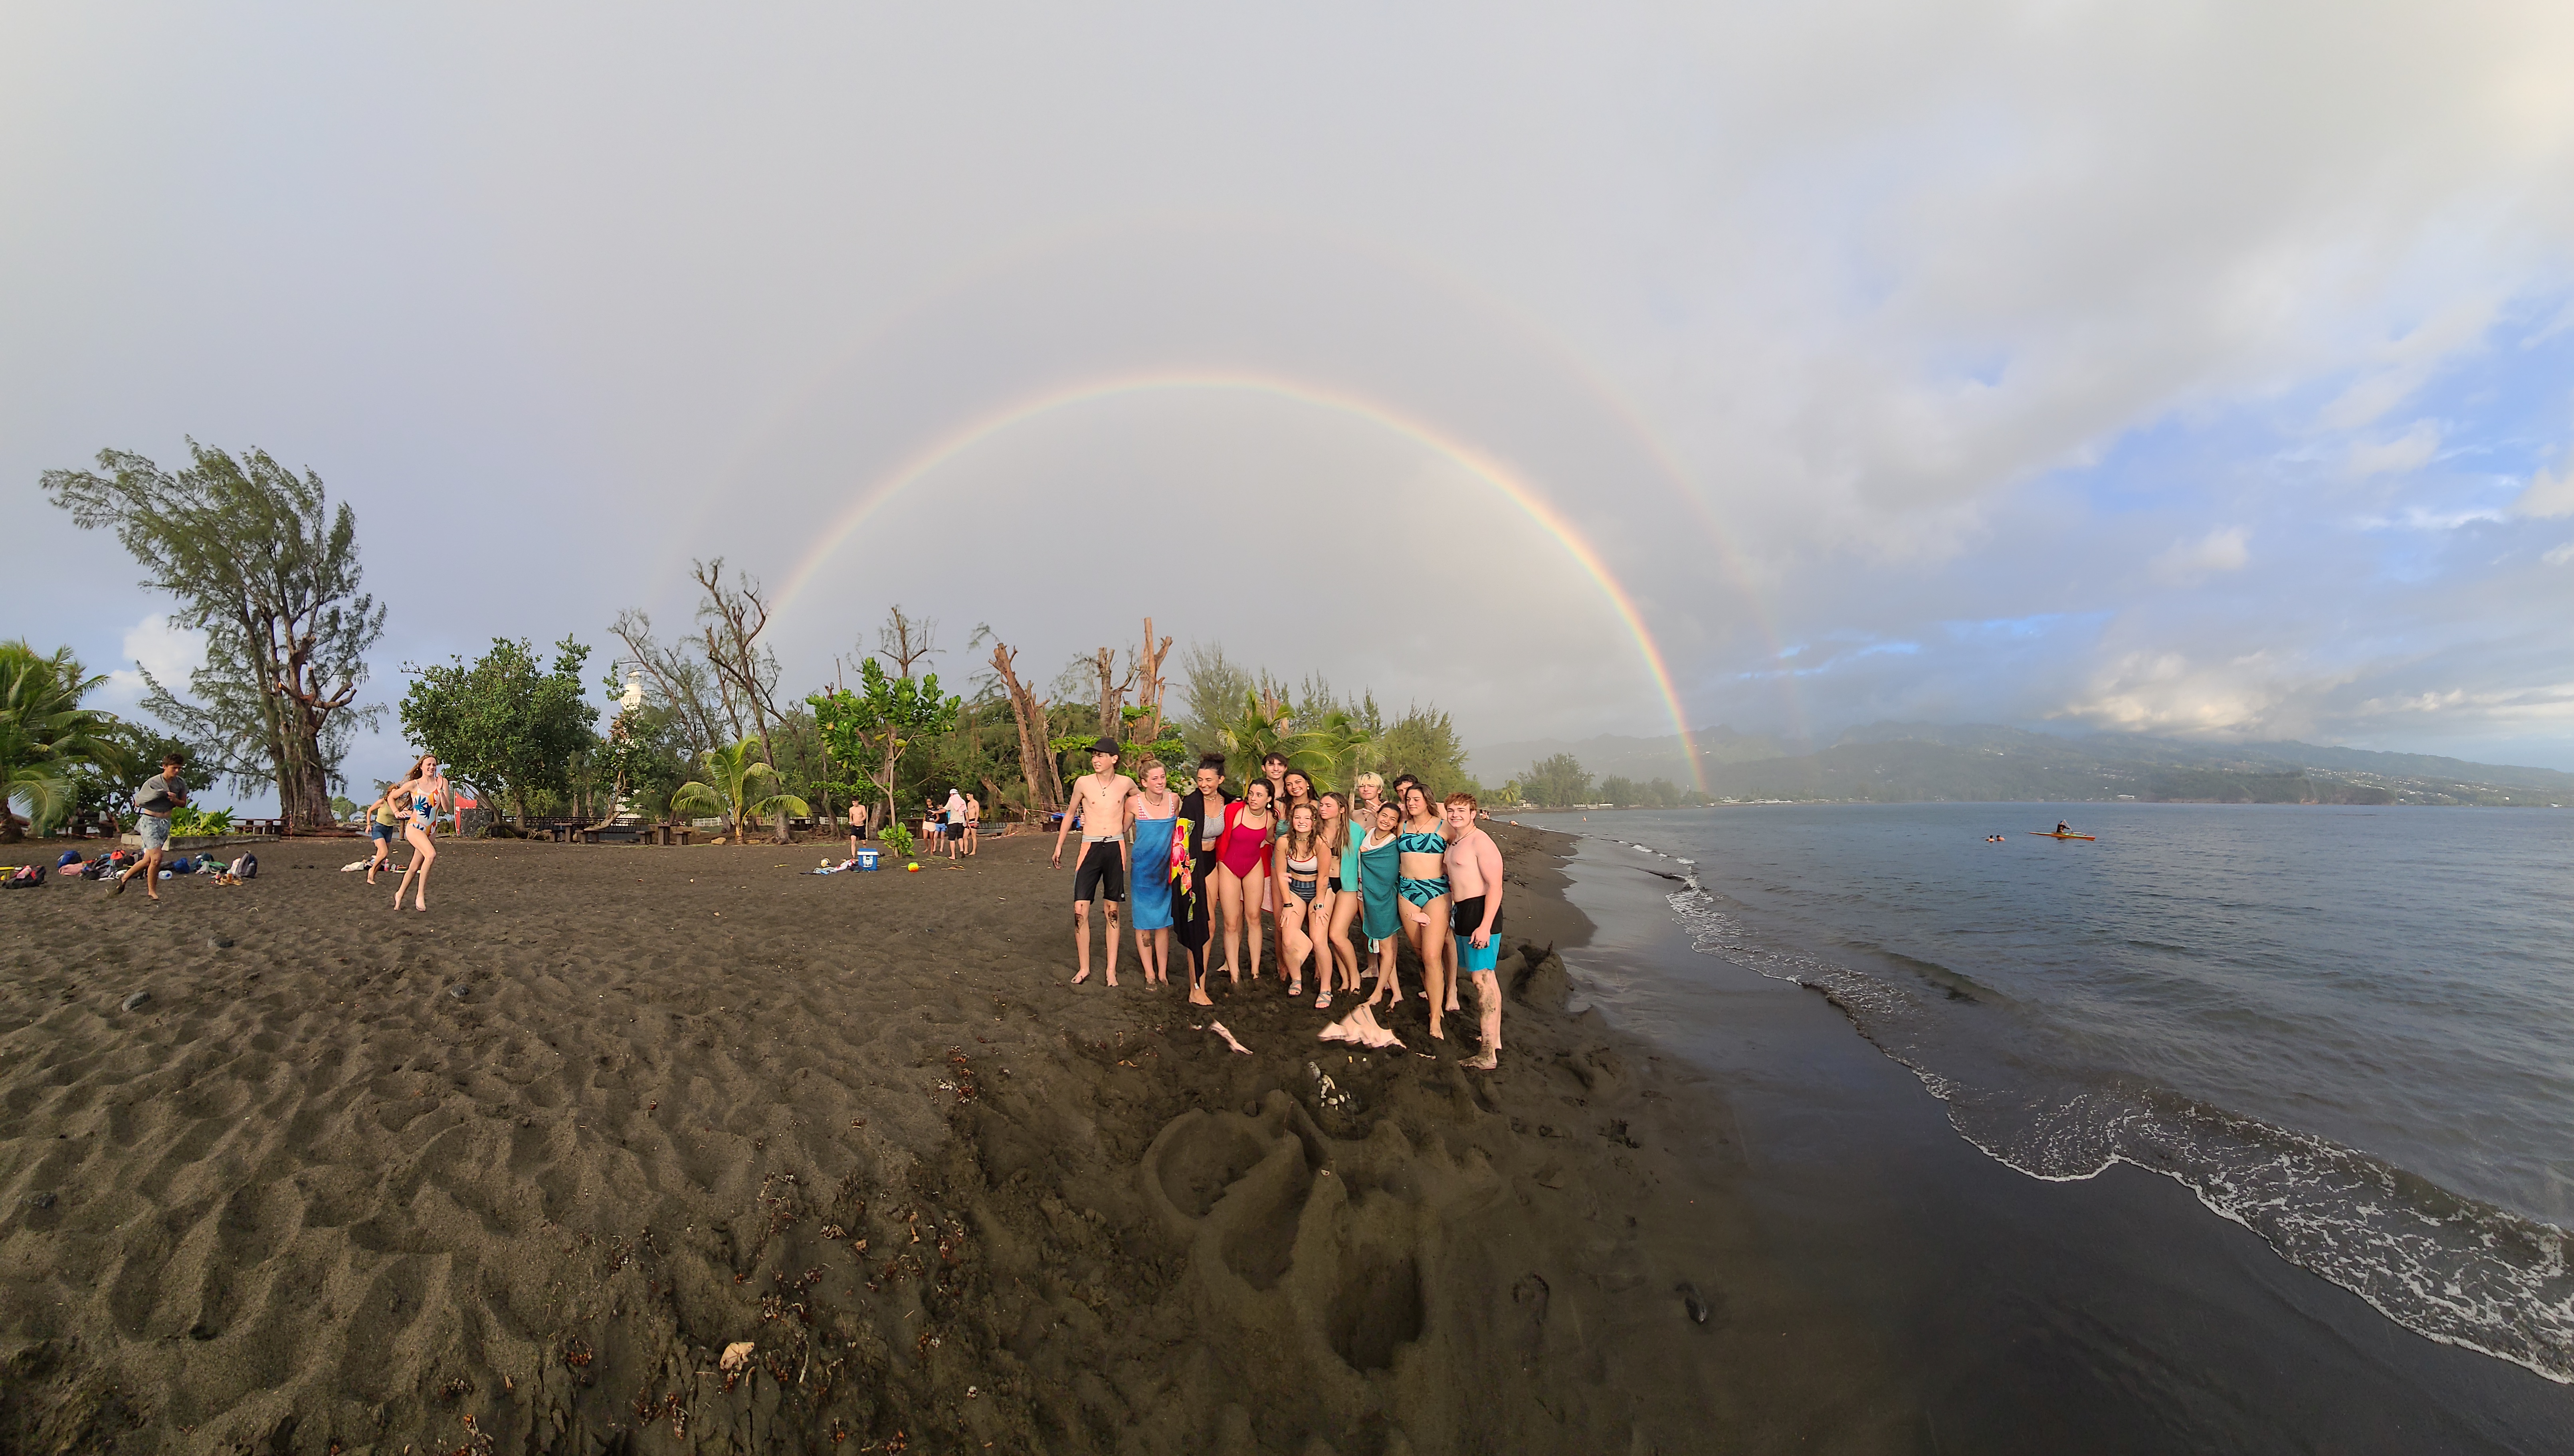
429	793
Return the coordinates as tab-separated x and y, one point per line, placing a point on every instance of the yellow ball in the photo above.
914	867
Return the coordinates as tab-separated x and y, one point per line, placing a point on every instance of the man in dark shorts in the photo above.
1474	864
152	806
1099	801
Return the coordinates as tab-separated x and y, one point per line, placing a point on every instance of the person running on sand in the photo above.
1241	873
1475	918
1154	817
152	802
1339	903
383	823
1296	860
427	792
1424	887
1380	860
1099	799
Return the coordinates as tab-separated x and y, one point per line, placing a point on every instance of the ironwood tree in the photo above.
260	561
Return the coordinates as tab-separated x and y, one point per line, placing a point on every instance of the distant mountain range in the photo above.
1916	762
1611	756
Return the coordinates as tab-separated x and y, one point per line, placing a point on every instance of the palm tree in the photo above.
1324	745
737	775
45	733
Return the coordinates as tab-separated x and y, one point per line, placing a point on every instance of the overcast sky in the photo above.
2199	368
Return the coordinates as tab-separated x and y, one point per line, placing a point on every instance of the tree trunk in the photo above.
1149	691
1113	696
1036	760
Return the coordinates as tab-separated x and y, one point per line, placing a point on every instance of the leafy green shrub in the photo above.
897	838
188	820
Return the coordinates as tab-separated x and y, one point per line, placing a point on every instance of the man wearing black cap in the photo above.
1099	801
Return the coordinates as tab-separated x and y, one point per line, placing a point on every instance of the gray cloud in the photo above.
1835	325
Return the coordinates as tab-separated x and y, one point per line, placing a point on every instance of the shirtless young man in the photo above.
1100	799
1474	864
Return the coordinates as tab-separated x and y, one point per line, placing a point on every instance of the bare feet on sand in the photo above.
1483	1061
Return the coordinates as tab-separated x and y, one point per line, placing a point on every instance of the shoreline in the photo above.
2107	1313
541	1156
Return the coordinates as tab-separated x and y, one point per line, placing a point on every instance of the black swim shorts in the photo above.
1102	870
1465	917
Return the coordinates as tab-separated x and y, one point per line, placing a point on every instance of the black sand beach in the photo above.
308	1197
514	1177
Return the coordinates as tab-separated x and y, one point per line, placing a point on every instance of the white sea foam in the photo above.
2448	1267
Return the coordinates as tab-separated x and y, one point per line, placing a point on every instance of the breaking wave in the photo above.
2448	1267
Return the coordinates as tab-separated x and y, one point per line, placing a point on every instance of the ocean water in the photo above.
2349	1029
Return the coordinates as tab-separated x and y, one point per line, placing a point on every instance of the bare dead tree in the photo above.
903	642
1036	758
731	620
1151	684
1112	694
679	679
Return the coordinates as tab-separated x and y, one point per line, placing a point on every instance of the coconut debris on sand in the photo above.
715	1158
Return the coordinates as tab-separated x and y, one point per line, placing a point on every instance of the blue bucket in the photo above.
866	858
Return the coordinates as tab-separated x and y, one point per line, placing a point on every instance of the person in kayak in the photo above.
2063	827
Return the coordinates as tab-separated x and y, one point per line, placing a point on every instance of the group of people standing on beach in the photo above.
1316	864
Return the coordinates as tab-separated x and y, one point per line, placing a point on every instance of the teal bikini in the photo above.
1421	891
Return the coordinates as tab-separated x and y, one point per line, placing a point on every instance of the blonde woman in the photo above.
1340	902
429	792
1296	860
1152	819
1366	792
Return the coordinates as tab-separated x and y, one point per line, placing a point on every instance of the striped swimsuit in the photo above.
1421	891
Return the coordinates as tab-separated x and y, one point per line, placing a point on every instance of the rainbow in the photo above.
1519	491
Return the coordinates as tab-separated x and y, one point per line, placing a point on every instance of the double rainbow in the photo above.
1518	491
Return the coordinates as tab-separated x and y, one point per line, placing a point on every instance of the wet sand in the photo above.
2005	1314
515	1175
